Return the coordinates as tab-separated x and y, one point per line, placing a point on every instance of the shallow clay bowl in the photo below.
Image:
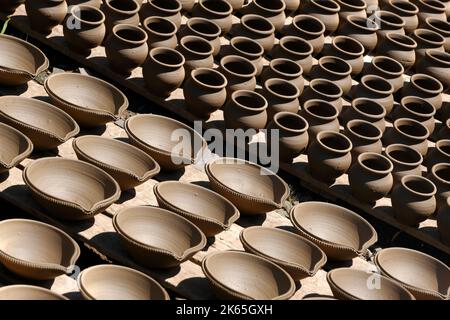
36	250
20	61
252	188
339	232
424	276
90	101
351	284
171	143
208	210
14	147
243	276
26	292
128	165
111	282
299	257
70	189
158	238
44	124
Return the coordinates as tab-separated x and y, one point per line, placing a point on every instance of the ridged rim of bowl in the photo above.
17	159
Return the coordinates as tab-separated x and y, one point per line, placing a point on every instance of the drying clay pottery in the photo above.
441	27
308	28
389	69
334	69
161	32
321	115
406	10
436	64
440	176
9	6
251	188
20	61
443	223
427	39
349	49
240	73
93	3
197	52
169	9
247	48
323	89
26	292
205	29
362	30
111	282
409	132
245	110
44	15
425	87
326	11
399	47
389	22
377	89
157	238
365	137
418	109
366	109
14	147
439	154
295	49
430	9
243	276
90	101
339	232
36	250
44	124
259	29
281	95
208	210
285	69
121	12
273	10
351	7
215	11
406	161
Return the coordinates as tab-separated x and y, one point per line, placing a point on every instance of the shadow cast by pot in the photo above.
74	295
126	195
13	91
4	176
288	228
204	184
200	285
170	175
251	220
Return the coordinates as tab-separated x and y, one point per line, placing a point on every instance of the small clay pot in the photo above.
441	27
308	28
321	115
439	154
215	11
377	89
163	71
413	200
436	64
389	69
9	6
366	109
444	132
365	137
205	92
259	29
425	87
295	49
410	132
443	223
44	15
126	48
281	95
406	10
440	176
93	3
389	22
406	161
169	9
418	109
329	156
351	7
240	73
430	9
119	12
323	89
273	10
293	134
205	29
361	29
161	32
336	70
197	52
399	47
349	49
427	39
284	69
326	11
247	48
245	110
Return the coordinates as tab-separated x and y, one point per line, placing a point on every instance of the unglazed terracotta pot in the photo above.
296	255
362	30
427	39
245	110
292	5
111	282
326	11
94	3
400	48
440	176
169	9
27	292
376	89
430	9
293	134
36	250
161	32
253	189
259	29
216	11
413	200
247	48
366	109
121	12
308	28
389	22
439	154
157	238
336	70
197	52
349	49
365	137
240	73
205	29
351	7
436	64
329	156
295	49
44	15
269	281
406	161
441	27
321	115
323	89
9	6
443	223
273	10
14	147
406	10
339	232
284	69
205	92
418	109
410	132
389	69
281	95
163	71
425	87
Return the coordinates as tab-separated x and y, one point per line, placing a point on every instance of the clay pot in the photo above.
240	73
441	27
409	132
269	281
427	39
84	29
259	29
447	7
284	69
187	5
215	11
351	7
323	89
430	9
351	284
126	48
44	124
399	47
253	189
376	89
9	6
366	109
326	11
163	71
247	48
425	87
406	10
36	250
295	49
14	147
296	255
336	70
273	10
440	176
350	50
406	161
308	28
281	95
208	210
444	132
321	116
197	52
157	238
436	64
418	109
339	232
90	101
121	12
409	267
93	3
293	134
157	136
169	9
161	32
329	156
365	137
443	223
362	30
26	292
122	283
205	29
439	154
389	69
128	165
205	92
292	5
389	22
44	15
245	110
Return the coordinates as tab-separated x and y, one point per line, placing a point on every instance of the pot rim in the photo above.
368	77
418	33
288	61
353	6
34	288
434	54
249	92
412	177
317	3
174	11
283	41
424	76
433	4
285	83
20	156
198	71
316	81
336	134
341	61
80	7
311	18
201	3
360	121
250	54
120	27
130	12
395	38
308	103
378	58
438	146
154	51
247	17
403	146
412	12
431	22
355	105
277	116
206	21
378	18
225	59
186	39
260	6
377	156
351	20
438	166
346	38
407	99
415	122
162	34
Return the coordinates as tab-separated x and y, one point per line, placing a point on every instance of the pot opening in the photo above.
390	19
90	15
221	7
419	185
418	106
282	88
439	24
429	36
441	56
433	4
248	46
376	162
327	4
387	65
298	46
335	66
359	4
271	4
198	45
444	147
404	154
327	88
443	172
426	82
209	77
309	24
402	40
258	23
159	25
286	66
377	84
133	35
166	4
335	141
321	109
349	45
123	5
364	23
205	28
168	58
291	121
413	130
369	107
364	129
243	67
250	100
405	6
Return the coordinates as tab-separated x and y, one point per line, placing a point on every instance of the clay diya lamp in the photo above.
44	15
326	11
410	132
321	115
27	292
169	9
441	27
334	69
240	73
366	109
161	32
440	176
272	10
431	9
350	50
425	87
259	29
215	11
281	95
121	12
436	64
308	28
197	52
399	47
14	147
406	161
360	29
205	29
284	69
365	137
351	7
416	108
323	89
245	110
247	48
427	39
443	223
295	49
389	69
389	22
406	10
439	154
376	89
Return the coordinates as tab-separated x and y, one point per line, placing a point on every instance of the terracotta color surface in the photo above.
406	160
204	28
436	64
410	132
216	11
308	28
295	49
258	28
361	29
245	109
418	109
441	27
197	52
44	15
407	10
169	9
425	87
325	10
389	69
14	147
323	89
335	69
161	32
377	89
273	10
366	109
26	292
349	49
